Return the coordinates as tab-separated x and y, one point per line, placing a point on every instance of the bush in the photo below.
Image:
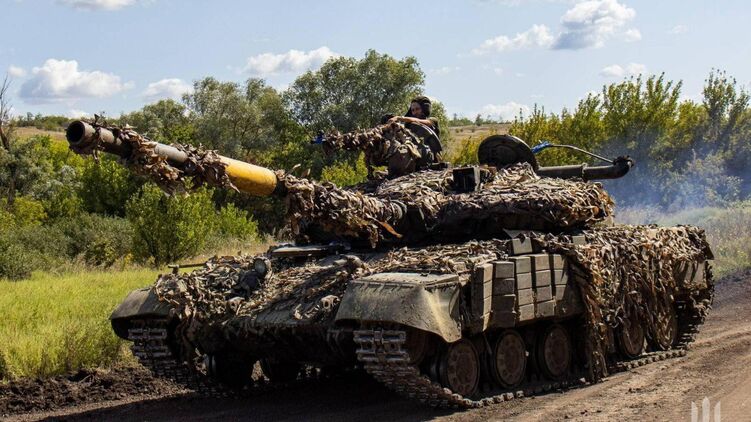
27	211
24	249
466	153
344	173
235	223
15	262
106	186
169	228
98	240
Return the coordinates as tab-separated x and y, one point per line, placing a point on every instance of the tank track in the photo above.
383	355
150	346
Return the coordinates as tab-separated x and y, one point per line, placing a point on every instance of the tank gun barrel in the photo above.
246	177
617	169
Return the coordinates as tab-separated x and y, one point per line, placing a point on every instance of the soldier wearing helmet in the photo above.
419	121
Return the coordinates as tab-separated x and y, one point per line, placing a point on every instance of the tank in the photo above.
455	287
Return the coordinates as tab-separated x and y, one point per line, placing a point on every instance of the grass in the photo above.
56	324
728	230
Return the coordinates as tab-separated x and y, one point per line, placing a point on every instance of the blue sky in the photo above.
488	56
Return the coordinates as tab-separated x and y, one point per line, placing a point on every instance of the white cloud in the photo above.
618	71
506	112
498	71
678	29
591	23
292	61
78	114
586	24
537	36
97	4
16	71
166	88
632	35
445	70
59	80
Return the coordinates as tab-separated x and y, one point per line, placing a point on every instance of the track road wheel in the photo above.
666	329
509	360
554	352
280	371
630	337
459	368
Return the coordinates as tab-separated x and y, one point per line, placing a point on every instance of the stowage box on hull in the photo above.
523	289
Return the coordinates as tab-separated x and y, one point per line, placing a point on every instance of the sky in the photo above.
493	57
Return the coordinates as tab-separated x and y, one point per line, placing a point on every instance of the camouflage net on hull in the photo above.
633	269
390	144
620	270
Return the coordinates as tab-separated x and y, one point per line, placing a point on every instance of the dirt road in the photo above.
718	366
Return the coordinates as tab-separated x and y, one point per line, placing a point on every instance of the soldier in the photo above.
427	127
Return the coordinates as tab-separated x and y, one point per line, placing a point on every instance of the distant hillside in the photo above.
27	132
459	134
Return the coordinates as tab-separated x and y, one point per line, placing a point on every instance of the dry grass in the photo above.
461	135
27	132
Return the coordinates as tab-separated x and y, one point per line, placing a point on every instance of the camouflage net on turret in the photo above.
390	144
620	270
514	198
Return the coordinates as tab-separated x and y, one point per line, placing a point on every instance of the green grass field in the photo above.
56	324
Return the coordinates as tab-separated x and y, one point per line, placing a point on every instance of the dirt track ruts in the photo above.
717	366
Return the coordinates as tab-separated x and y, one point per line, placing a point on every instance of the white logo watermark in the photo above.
706	411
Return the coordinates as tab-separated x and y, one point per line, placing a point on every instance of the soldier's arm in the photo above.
405	119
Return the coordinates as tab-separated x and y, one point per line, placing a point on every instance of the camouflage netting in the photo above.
202	166
343	212
620	270
390	144
513	193
632	269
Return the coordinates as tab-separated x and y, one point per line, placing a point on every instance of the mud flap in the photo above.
139	303
428	302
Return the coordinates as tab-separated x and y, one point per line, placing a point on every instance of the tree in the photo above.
347	93
5	138
238	120
163	121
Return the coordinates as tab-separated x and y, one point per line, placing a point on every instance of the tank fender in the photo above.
139	303
428	302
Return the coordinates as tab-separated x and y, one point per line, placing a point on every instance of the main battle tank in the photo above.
455	287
